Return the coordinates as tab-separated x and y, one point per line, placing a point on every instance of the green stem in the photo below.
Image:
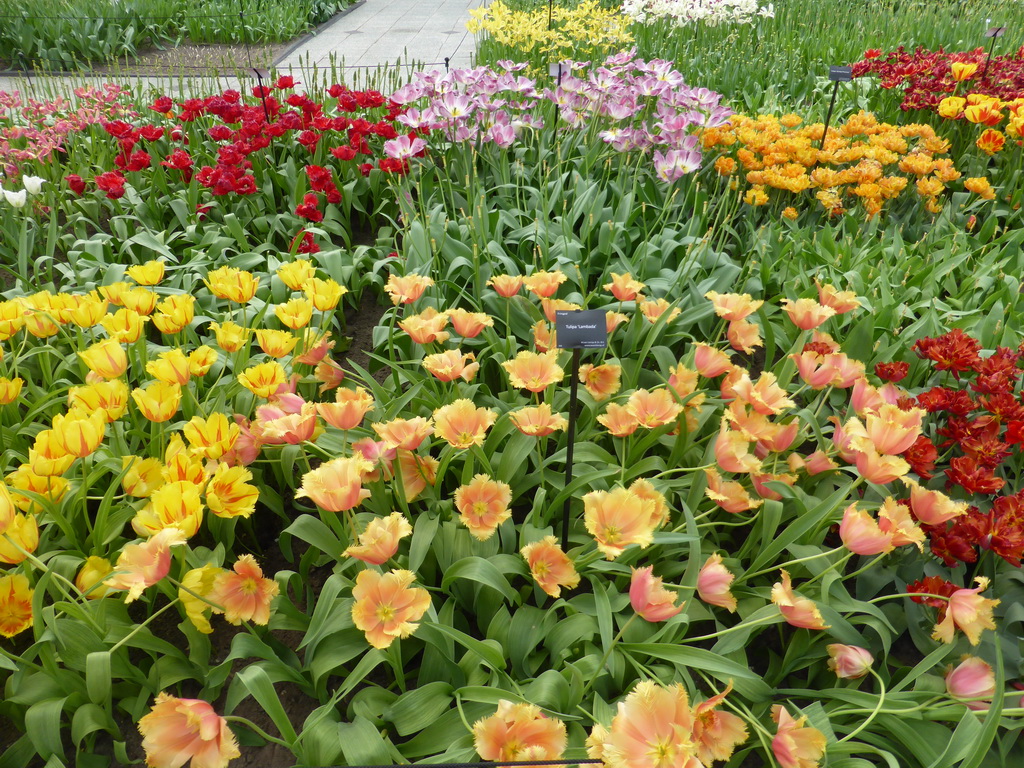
793	562
874	712
134	631
607	655
257	730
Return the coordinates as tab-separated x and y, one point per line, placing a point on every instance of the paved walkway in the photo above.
411	33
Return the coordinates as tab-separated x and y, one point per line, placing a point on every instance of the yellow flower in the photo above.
295	314
125	325
201	360
139	299
230	336
105	358
170	367
159	401
194	593
229	493
276	343
16	604
212	437
150	273
174	313
294	274
962	71
20	539
110	397
232	284
89	580
141	476
10	389
79	433
173	505
263	379
325	294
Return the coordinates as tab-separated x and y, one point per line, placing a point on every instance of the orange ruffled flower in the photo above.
405	434
538	420
624	287
601	381
543	284
619	420
416	473
506	286
729	494
336	486
178	730
733	306
468	324
452	364
142	565
743	336
796	745
461	424
807	314
798	611
652	729
379	542
653	409
534	371
766	396
618	518
551	568
649	598
483	505
967	611
426	327
406	289
243	593
710	362
386	607
349	408
519	732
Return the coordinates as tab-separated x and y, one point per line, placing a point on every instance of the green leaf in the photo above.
42	725
482	571
416	710
747	683
259	686
98	677
492	656
363	744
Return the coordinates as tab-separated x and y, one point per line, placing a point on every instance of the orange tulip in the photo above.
550	306
990	141
933	507
624	287
861	535
426	327
506	286
538	421
798	611
142	565
544	337
336	486
653	409
713	584
349	408
543	284
452	364
243	593
893	430
649	599
618	518
533	371
519	731
716	734
619	420
729	495
732	452
807	314
613	320
379	542
840	301
765	397
653	309
406	289
710	362
743	336
386	607
416	472
733	306
816	463
177	730
796	745
601	381
468	324
967	611
876	467
550	567
406	434
461	424
483	505
652	729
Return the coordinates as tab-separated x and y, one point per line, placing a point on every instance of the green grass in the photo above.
71	34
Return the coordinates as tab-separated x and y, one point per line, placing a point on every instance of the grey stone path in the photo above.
352	49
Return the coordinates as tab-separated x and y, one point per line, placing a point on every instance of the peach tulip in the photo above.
519	731
386	607
796	745
336	486
649	598
967	611
179	730
713	584
550	567
849	661
972	678
796	610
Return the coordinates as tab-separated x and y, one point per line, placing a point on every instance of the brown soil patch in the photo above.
197	59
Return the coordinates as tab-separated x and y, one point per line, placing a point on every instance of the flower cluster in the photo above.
32	131
585	29
975	427
710	12
629	102
928	77
863	163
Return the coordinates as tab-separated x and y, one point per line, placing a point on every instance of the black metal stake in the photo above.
828	115
446	60
991	46
571	437
551	6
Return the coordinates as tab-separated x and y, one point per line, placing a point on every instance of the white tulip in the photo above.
15	199
33	184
